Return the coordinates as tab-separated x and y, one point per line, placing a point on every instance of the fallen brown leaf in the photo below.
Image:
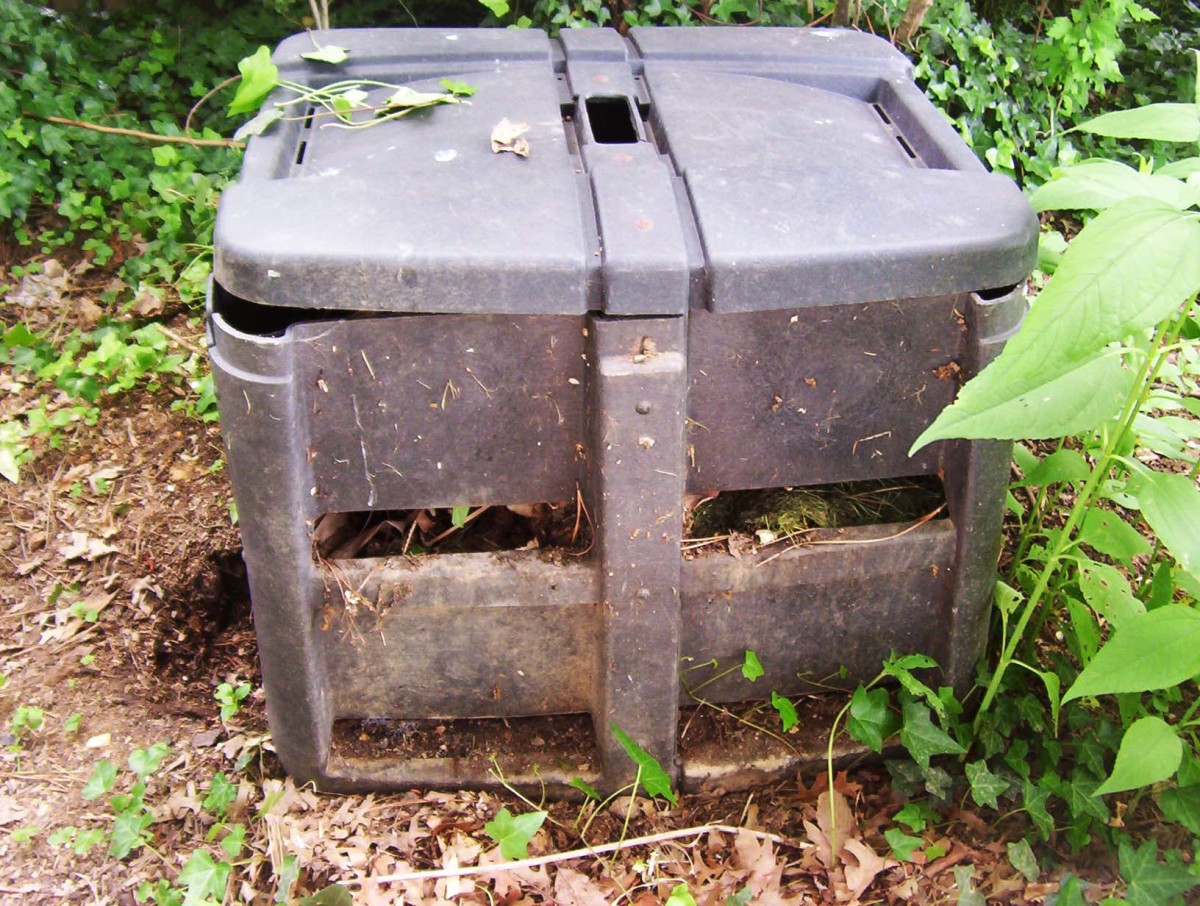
863	864
510	136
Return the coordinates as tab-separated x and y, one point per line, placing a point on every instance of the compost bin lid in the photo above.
759	169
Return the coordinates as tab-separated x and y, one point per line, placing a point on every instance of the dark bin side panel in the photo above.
462	635
818	395
442	410
818	609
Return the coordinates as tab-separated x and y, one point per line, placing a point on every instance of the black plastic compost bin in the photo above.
733	259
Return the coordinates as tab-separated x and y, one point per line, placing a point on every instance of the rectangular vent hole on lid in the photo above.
908	149
611	120
882	114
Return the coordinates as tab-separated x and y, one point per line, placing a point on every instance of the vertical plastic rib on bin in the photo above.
734	262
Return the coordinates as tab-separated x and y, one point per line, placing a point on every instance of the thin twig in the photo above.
573	854
187	124
182	341
145	136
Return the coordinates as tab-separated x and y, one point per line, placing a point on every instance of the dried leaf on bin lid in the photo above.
510	136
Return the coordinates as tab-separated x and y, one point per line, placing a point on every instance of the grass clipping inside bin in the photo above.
767	516
740	519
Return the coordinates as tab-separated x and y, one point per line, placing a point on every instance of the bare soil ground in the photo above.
123	600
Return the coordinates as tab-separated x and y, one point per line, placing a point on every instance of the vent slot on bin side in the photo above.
519	744
765	516
553	525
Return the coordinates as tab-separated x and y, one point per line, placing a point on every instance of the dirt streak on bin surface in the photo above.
733	259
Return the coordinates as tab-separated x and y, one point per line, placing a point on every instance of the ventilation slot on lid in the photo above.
611	120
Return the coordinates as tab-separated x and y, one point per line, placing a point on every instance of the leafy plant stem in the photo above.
1037	518
632	799
1164	337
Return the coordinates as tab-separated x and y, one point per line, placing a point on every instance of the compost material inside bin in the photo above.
561	525
773	514
566	741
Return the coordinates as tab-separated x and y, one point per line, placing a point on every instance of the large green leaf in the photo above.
1095	185
1154	650
1171	505
1126	270
259	77
1155	122
1107	592
1000	403
1150	751
655	781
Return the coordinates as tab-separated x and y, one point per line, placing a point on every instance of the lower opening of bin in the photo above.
738	745
764	516
556	525
564	743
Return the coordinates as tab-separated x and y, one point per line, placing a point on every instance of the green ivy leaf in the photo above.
752	667
1020	854
871	720
333	895
1150	882
513	833
233	841
901	669
103	776
1154	650
1150	751
259	78
903	845
654	779
204	878
1070	892
1182	805
680	896
144	762
916	816
1035	797
86	839
129	832
967	894
259	123
921	738
586	788
788	717
986	787
327	53
221	794
458	89
458	515
498	8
